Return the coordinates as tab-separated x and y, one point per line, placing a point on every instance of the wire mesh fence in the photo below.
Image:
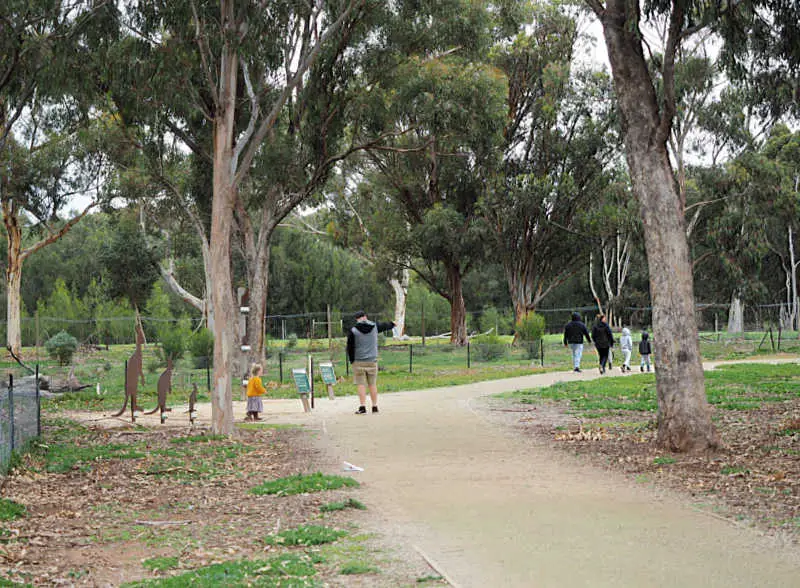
20	415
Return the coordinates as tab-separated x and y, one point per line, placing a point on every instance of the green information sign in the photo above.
328	375
301	380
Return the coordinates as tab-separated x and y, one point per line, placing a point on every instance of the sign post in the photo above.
303	386
328	377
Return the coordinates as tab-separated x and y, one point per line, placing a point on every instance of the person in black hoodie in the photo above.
645	350
574	332
603	340
362	351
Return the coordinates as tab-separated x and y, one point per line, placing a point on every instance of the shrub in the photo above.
488	347
291	341
530	327
173	343
201	346
62	347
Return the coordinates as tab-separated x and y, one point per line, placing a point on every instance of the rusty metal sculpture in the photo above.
164	387
192	402
133	370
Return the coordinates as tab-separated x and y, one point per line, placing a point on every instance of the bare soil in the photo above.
96	527
753	480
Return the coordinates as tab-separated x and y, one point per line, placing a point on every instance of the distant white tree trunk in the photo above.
794	311
400	287
736	314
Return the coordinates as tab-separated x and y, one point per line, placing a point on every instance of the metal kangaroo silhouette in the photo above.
164	387
133	370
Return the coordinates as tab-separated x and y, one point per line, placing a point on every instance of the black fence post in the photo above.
11	408
38	405
468	356
410	358
541	351
280	366
311	377
346	364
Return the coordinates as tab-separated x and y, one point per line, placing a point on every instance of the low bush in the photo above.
62	347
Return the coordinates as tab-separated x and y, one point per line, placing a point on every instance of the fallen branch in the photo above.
19	361
160	523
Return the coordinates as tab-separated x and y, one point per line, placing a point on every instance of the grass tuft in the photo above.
343	504
293	570
303	483
354	568
10	510
306	535
160	564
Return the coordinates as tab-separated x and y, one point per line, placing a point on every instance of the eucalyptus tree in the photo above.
557	141
767	27
223	77
47	151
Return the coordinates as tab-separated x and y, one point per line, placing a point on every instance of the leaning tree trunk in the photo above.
222	207
684	418
458	310
13	283
400	288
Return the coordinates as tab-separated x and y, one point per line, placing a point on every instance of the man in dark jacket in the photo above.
362	351
574	332
603	340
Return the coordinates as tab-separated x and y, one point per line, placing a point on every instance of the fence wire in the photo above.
20	416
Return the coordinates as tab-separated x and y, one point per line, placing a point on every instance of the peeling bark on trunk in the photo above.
14	262
400	288
224	195
256	318
458	310
684	418
736	315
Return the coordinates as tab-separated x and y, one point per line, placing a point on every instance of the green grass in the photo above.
306	535
342	505
198	439
354	568
663	460
160	564
731	470
730	387
427	579
10	510
289	570
304	483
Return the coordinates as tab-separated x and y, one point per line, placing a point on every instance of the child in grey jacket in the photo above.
626	343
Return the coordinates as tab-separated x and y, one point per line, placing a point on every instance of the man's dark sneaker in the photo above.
362	410
578	370
641	368
374	409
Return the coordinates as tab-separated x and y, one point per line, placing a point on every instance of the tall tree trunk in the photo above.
256	318
222	207
736	314
794	311
684	418
400	288
13	278
458	311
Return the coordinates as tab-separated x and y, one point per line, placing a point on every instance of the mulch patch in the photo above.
754	479
95	525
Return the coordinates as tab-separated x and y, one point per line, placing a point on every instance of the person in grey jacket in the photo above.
362	351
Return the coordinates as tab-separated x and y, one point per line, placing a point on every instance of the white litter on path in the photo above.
349	467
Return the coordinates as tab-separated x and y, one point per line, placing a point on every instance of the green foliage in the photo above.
289	570
173	342
530	327
342	505
201	346
62	347
62	311
662	460
304	483
129	263
489	347
10	510
305	535
158	313
291	341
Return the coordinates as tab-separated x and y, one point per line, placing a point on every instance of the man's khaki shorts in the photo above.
365	373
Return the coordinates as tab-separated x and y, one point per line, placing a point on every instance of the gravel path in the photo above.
488	508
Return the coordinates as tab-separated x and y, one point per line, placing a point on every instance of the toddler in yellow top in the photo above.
255	389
